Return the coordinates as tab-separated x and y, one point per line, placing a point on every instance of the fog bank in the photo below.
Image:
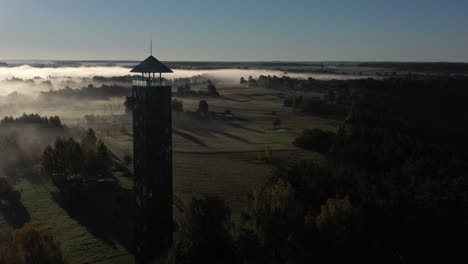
12	79
29	72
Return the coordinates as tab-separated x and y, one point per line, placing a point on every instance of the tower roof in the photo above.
151	64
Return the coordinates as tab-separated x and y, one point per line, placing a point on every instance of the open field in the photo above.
219	158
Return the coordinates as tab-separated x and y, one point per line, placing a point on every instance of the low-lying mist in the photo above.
21	146
46	78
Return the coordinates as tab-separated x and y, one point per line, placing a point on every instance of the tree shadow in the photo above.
232	136
14	213
105	210
189	137
246	128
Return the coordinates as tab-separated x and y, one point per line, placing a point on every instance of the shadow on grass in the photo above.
189	137
14	213
231	136
246	128
106	211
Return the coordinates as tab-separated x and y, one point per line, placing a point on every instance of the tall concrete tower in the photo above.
152	148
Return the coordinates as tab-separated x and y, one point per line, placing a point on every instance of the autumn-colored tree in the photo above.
29	245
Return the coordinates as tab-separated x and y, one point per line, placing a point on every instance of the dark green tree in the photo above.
207	237
203	108
90	139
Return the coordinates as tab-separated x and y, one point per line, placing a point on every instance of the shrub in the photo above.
202	107
177	106
36	247
30	246
7	192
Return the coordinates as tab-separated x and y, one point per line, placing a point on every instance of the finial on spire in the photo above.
151	46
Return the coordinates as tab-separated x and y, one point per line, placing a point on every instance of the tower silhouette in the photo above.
152	147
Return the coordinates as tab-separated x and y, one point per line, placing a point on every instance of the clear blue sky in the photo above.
233	30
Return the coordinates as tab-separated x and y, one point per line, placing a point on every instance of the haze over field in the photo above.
60	74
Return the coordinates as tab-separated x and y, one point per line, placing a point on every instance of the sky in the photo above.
229	30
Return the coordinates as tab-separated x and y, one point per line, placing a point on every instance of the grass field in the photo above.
77	243
217	158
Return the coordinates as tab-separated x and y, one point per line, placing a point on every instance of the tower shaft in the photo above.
152	140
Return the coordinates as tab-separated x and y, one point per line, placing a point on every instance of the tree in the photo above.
336	220
252	82
90	139
212	89
47	161
103	159
54	121
177	106
75	156
129	101
274	218
33	246
203	108
68	157
207	237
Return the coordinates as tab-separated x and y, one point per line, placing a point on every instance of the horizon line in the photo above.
240	61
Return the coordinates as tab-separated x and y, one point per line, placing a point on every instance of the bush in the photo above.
203	107
52	122
7	192
177	106
316	140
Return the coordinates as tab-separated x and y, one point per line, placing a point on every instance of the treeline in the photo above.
67	157
432	67
435	104
196	80
186	90
89	92
115	79
33	119
434	109
288	83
